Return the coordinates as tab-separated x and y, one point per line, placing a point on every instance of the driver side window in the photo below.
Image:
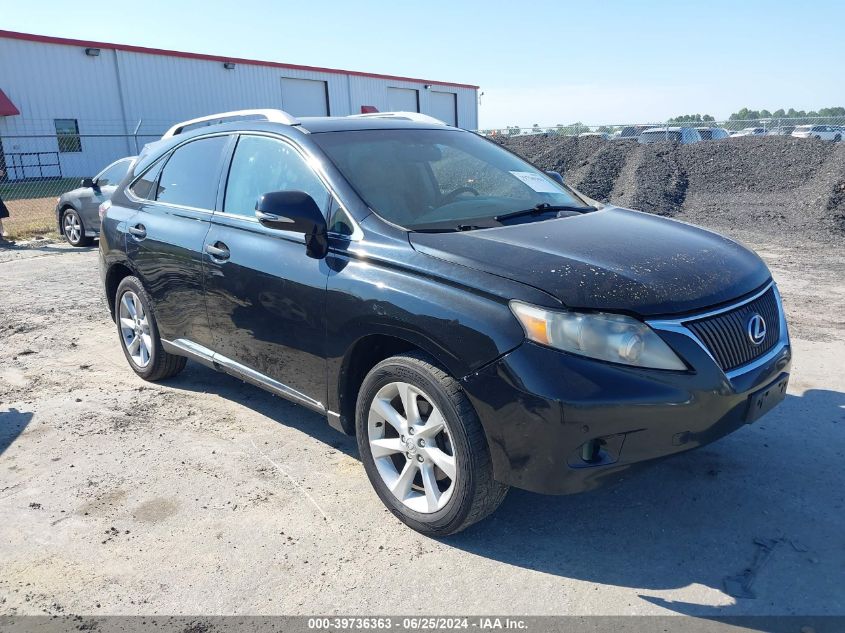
261	165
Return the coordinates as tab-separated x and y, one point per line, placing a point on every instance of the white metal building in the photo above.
69	107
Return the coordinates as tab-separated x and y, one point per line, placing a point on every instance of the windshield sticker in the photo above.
536	182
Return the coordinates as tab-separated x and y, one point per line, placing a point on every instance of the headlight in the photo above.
612	337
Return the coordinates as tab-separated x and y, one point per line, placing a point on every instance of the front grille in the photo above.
726	337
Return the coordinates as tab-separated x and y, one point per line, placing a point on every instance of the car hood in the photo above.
613	259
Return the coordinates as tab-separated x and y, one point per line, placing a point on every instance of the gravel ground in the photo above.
790	189
203	495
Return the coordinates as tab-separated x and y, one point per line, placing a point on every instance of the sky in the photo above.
545	62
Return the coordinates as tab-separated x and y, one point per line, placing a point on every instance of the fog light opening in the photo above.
591	451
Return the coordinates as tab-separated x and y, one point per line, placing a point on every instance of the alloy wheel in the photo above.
135	329
411	446
73	228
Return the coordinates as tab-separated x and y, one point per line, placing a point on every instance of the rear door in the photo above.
265	296
165	237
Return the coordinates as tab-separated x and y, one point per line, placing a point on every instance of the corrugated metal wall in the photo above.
109	95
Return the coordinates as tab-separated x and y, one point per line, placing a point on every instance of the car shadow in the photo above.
197	377
716	517
711	517
50	247
12	424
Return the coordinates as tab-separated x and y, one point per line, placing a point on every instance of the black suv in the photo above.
475	323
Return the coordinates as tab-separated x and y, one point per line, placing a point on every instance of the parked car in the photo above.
783	130
823	132
603	135
712	133
77	210
630	133
682	135
475	323
749	131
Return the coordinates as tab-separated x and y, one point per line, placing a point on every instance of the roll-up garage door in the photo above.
403	100
444	106
305	97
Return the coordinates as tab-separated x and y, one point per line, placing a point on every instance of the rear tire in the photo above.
73	229
837	138
434	470
138	332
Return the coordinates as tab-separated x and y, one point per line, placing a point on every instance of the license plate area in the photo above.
764	400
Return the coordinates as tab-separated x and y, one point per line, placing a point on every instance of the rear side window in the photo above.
191	175
262	165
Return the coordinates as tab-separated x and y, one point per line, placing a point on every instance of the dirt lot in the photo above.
204	495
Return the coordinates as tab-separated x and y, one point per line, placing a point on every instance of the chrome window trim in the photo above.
677	326
310	160
128	189
210	358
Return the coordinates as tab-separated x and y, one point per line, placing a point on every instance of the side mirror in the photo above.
295	211
555	175
89	183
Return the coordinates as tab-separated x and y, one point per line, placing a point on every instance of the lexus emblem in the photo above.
756	329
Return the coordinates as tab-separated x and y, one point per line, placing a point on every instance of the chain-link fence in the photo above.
42	160
828	128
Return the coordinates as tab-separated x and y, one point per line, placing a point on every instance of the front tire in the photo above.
138	332
73	229
423	447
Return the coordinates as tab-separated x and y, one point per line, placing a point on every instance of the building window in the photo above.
67	133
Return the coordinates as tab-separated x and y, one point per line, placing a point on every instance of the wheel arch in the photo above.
116	273
364	354
64	207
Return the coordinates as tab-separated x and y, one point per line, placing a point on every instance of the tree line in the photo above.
747	118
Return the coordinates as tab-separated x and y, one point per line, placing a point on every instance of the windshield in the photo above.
427	178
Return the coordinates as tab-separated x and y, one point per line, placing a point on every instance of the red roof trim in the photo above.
48	39
7	108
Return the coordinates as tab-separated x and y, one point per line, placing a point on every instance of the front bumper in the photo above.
539	407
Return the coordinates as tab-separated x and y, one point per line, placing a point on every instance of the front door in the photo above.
265	296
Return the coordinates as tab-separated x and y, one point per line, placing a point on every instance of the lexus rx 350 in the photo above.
472	321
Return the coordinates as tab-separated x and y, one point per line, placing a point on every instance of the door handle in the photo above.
218	250
139	231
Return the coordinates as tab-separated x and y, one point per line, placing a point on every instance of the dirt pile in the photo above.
776	185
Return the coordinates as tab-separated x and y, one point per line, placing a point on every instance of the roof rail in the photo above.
408	116
274	116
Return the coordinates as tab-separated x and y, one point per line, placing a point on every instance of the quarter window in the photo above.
192	173
262	165
67	135
143	187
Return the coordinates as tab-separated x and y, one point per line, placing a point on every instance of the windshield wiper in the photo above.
542	207
450	229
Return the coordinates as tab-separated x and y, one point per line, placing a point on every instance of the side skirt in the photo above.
210	358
